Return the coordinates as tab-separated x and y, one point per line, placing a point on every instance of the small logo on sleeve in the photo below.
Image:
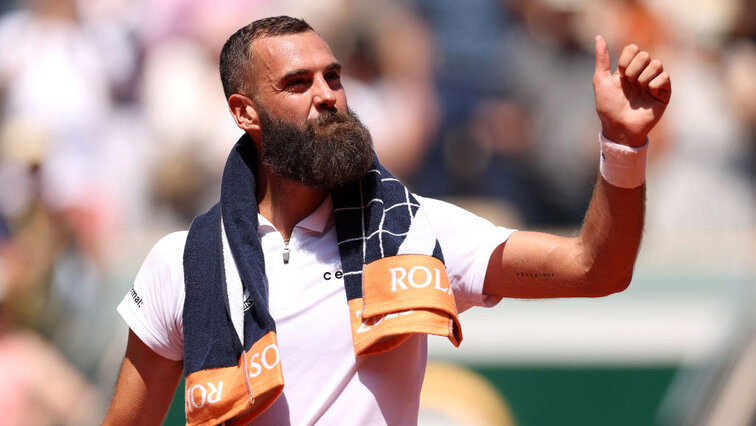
137	299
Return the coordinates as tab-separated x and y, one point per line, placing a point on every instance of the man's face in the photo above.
296	77
308	134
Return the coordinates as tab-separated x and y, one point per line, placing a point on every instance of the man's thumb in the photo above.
602	57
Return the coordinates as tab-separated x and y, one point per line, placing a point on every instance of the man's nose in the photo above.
324	97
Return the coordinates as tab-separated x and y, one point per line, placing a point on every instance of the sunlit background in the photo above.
114	131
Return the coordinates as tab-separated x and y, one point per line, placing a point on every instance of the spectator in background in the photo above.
710	128
57	75
472	52
51	72
549	63
517	111
40	386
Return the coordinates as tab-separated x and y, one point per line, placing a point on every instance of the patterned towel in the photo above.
392	265
394	278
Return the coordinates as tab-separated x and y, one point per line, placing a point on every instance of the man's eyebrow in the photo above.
294	73
335	66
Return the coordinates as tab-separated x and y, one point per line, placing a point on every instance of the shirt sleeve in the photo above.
153	308
467	241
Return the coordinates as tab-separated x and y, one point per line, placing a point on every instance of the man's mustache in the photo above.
330	116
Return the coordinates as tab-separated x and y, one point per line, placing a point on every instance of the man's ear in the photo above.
244	112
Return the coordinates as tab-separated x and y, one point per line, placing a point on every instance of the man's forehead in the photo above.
292	51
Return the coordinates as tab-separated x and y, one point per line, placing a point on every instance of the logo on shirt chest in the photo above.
333	275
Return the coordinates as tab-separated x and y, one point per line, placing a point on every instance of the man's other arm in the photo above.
600	260
145	387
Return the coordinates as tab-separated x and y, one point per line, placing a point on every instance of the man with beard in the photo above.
306	294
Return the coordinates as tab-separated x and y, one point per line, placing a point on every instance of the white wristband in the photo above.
621	165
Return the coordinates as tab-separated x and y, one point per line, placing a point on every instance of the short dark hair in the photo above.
236	55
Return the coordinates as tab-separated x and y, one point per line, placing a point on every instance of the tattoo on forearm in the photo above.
535	274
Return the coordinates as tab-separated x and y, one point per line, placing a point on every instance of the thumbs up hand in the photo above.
632	99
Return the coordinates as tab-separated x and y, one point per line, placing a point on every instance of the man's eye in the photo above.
334	80
297	84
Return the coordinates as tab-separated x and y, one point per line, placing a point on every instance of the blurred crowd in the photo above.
114	131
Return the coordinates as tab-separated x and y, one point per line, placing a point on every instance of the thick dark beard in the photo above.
330	151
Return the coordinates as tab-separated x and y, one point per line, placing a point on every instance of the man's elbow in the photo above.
611	283
602	273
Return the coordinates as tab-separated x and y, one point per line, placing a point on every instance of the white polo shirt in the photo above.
324	382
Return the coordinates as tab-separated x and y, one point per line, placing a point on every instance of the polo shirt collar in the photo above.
318	221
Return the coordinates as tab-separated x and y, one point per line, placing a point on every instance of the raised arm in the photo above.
600	260
145	387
